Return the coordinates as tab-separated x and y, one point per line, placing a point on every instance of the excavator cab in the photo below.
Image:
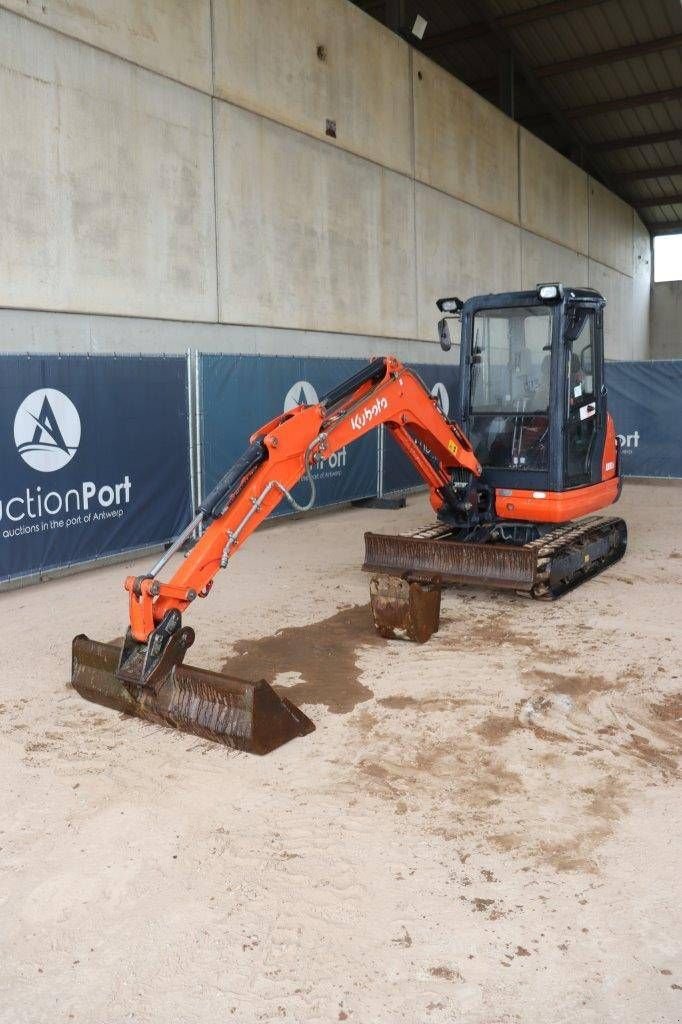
532	399
532	402
532	393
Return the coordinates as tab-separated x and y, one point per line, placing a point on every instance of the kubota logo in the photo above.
300	393
361	419
47	430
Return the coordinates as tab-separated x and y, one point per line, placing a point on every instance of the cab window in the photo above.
510	384
581	401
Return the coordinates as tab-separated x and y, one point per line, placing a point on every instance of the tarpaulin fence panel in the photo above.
645	400
397	472
96	454
239	393
94	460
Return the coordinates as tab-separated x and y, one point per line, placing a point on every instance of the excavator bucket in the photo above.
404	609
240	714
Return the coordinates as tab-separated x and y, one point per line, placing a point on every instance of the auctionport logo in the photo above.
628	442
47	434
47	430
300	393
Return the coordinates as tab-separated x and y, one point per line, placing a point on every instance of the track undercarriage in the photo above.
410	570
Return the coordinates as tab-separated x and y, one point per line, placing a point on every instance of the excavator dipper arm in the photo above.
283	452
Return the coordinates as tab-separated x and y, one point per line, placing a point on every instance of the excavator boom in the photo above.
146	676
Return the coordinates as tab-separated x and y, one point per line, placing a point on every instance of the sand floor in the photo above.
483	829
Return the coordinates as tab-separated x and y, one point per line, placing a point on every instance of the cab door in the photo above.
585	396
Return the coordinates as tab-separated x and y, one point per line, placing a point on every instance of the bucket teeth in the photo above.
241	714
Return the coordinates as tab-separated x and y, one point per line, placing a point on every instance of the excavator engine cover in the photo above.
244	715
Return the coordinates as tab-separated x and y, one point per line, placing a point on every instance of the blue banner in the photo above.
239	393
441	380
645	400
94	457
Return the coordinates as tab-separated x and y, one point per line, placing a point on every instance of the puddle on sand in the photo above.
323	653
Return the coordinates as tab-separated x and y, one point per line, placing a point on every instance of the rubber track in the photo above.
573	540
568	540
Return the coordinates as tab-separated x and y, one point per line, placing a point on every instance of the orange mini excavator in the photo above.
543	451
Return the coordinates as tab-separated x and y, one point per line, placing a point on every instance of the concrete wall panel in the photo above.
39	332
460	251
616	288
105	182
266	60
172	37
310	236
666	320
547	261
464	145
553	194
611	229
641	289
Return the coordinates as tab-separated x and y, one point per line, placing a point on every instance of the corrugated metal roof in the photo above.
550	104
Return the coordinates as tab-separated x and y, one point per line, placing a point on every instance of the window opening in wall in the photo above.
668	257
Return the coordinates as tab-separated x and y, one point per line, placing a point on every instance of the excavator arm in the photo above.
147	676
283	452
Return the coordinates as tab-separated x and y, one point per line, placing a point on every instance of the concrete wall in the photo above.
554	192
172	37
464	146
666	320
460	250
611	229
170	160
327	243
106	182
641	290
266	60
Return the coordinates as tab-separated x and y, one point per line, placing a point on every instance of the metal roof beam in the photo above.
542	11
593	60
642	99
636	140
476	29
670	200
649	172
671	227
569	133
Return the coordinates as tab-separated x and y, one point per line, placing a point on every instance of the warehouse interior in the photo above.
215	213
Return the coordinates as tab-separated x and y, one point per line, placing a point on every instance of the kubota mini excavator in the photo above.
544	452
